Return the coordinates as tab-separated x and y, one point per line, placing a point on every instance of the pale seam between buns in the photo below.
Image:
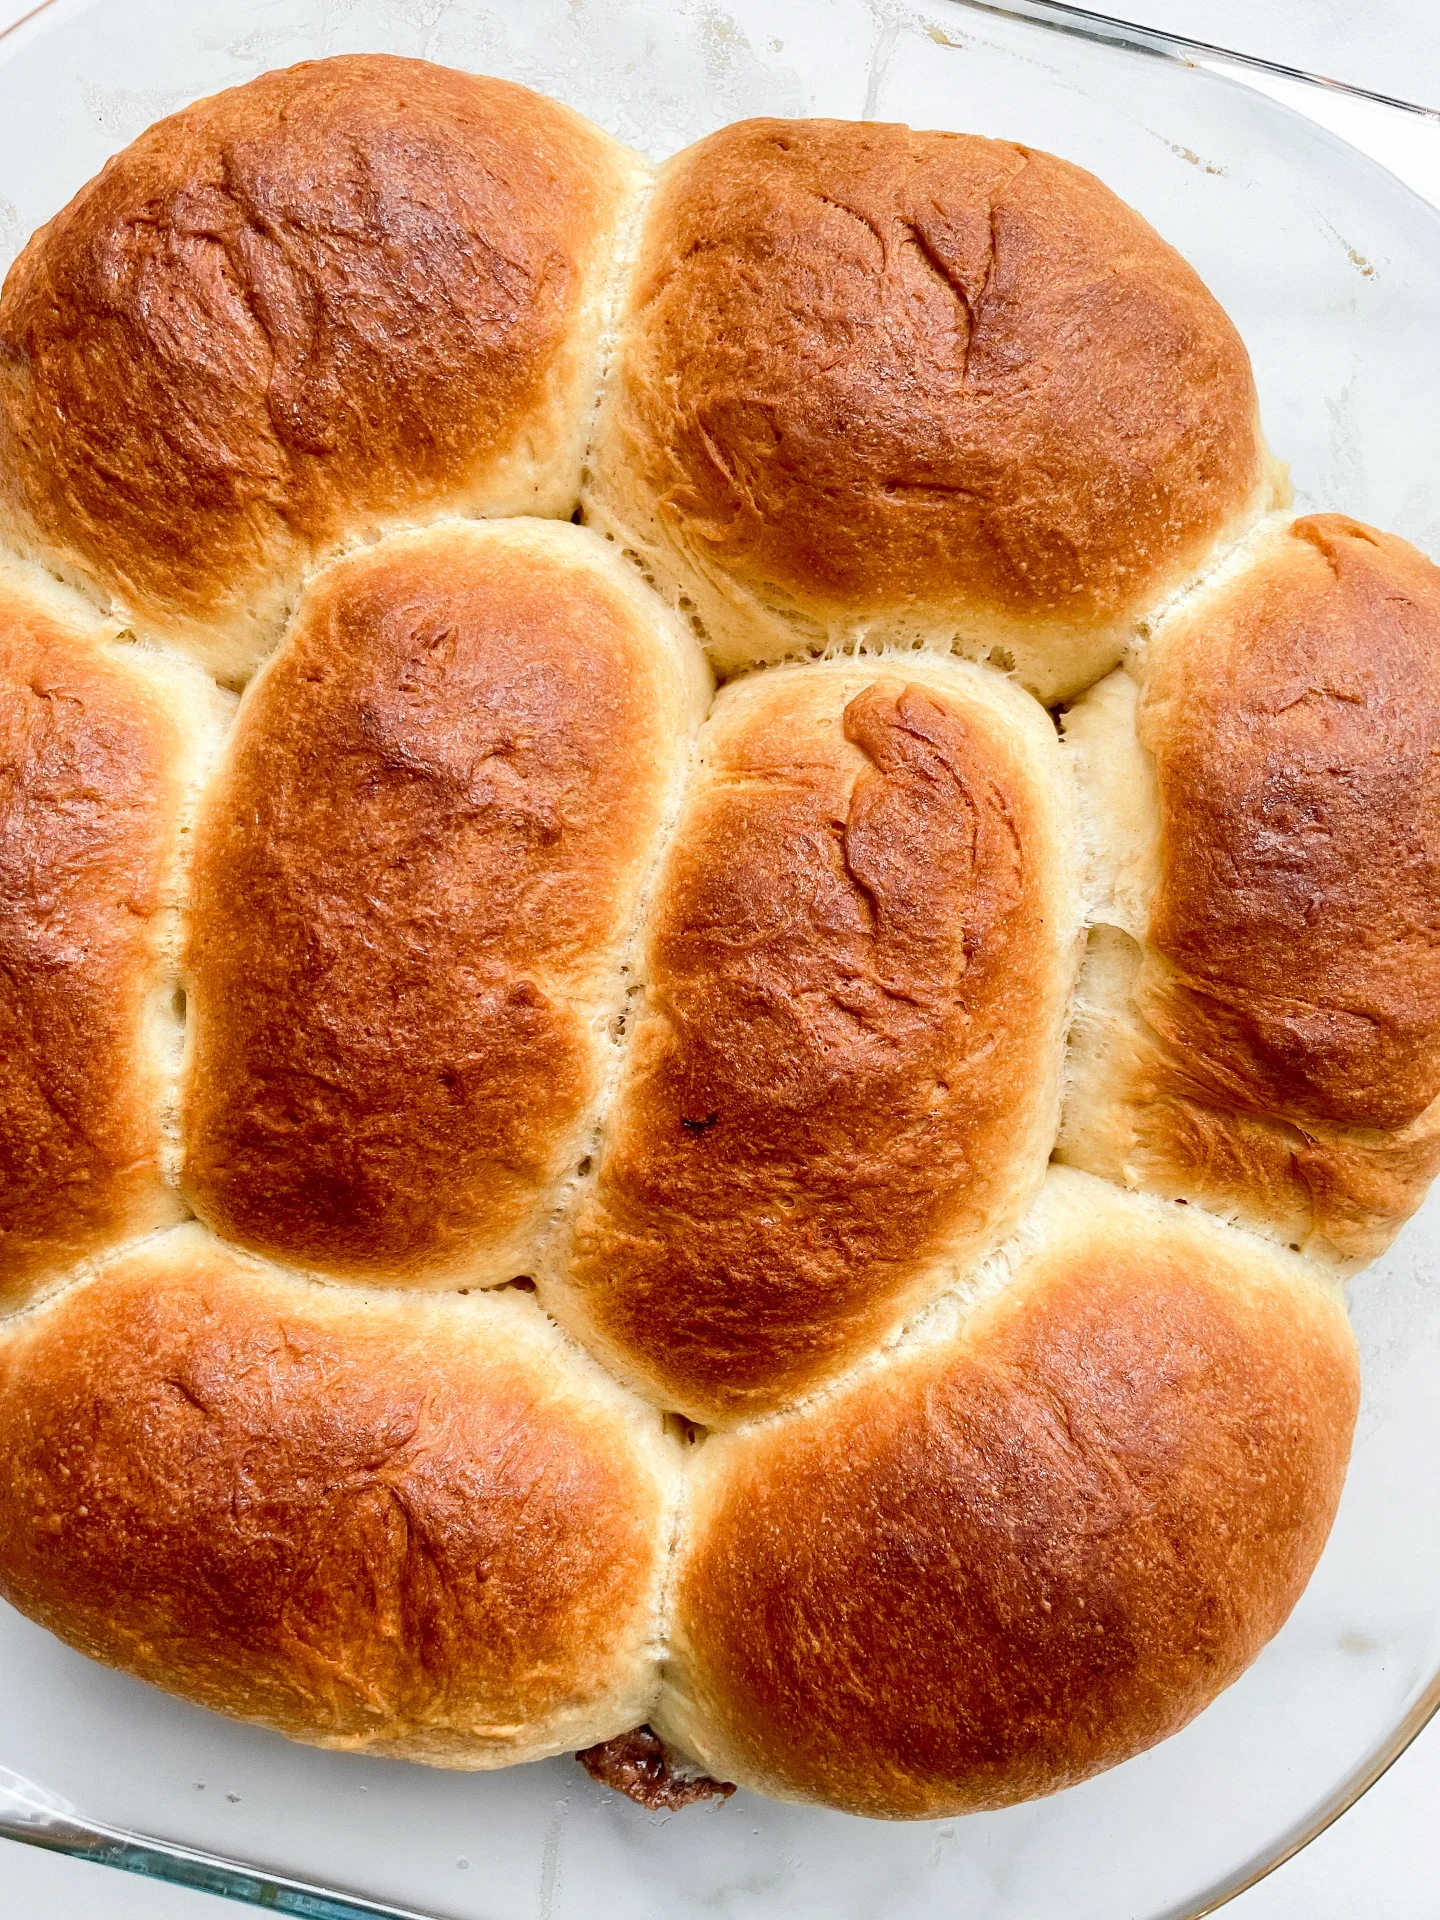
986	641
1101	909
614	300
595	317
628	1005
617	1014
96	1266
93	1267
204	746
1226	559
105	605
942	1321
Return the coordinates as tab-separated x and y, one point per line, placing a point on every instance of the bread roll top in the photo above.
101	747
350	292
1294	719
1022	1548
420	1527
1272	1044
416	883
923	385
843	1082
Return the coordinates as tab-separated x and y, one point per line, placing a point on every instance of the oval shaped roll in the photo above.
843	1082
887	385
1023	1548
102	748
358	291
415	884
412	1526
1260	1023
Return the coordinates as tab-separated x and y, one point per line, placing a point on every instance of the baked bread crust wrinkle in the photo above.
419	1527
1273	1045
352	292
877	382
843	1086
99	749
416	878
1009	1555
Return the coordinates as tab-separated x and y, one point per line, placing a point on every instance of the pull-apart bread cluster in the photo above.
540	1199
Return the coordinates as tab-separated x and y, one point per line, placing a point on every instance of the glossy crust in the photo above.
100	749
425	1528
843	1085
1272	1046
352	291
416	881
887	383
1011	1555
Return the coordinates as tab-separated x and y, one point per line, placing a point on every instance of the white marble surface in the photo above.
1382	1861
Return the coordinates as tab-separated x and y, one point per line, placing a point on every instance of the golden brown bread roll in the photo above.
348	294
1260	1014
102	747
887	385
844	1083
1032	1540
744	1039
415	886
422	1527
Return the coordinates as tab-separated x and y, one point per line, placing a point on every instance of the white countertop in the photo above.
1382	1860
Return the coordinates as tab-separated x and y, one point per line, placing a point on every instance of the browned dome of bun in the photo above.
856	974
1261	1030
101	747
422	1527
355	291
416	882
1014	1553
919	386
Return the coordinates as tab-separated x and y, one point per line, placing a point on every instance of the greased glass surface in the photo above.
1331	270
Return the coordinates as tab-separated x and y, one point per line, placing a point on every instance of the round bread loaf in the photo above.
1260	1024
354	293
1018	1549
856	972
919	387
415	885
473	945
427	1528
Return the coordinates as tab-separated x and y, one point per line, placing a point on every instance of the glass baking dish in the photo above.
1331	268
